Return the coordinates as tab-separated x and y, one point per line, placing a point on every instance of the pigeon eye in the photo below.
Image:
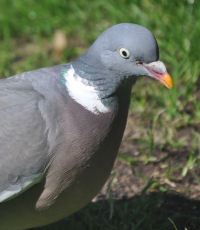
124	53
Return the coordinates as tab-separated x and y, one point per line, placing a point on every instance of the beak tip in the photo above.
167	81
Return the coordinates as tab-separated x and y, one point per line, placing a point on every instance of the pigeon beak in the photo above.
157	70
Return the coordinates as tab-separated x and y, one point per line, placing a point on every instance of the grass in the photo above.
167	121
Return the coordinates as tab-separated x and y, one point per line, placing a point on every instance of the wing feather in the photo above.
23	138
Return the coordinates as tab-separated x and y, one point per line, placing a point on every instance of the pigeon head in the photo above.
123	47
119	56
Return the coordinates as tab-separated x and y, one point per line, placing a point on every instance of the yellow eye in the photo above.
124	53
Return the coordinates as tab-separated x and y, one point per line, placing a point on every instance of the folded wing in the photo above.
23	137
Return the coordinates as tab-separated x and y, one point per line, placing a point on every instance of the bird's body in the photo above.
61	128
77	124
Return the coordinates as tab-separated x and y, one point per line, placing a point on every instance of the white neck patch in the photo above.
83	93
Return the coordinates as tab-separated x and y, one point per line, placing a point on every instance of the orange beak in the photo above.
166	80
157	70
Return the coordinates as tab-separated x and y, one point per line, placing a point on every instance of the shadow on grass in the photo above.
157	211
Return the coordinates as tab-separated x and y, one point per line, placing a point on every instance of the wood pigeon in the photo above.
61	126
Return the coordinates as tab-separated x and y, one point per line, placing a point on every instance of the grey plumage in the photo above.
56	153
